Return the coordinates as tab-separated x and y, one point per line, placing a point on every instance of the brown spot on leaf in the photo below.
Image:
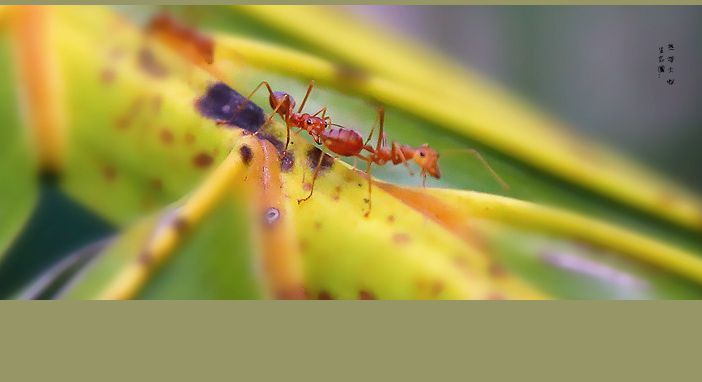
122	123
156	103
366	295
189	138
287	161
293	293
337	193
180	224
166	136
401	238
202	160
436	288
324	295
145	258
496	296
391	218
246	154
156	184
125	120
109	172
107	76
497	270
150	65
313	156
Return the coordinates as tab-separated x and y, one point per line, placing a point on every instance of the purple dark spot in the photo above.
223	104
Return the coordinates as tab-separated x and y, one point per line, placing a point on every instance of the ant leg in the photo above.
424	179
381	119
370	136
287	137
268	86
323	111
304	100
370	188
324	114
314	177
270	118
248	99
304	173
325	117
363	158
273	114
494	174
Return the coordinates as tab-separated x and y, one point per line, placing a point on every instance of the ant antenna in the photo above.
476	154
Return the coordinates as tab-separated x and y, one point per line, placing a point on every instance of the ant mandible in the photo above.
348	142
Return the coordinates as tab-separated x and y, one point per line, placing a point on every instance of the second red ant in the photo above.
348	142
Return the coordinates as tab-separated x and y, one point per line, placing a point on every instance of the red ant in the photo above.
349	142
283	104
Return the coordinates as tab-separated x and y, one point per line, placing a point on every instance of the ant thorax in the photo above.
313	125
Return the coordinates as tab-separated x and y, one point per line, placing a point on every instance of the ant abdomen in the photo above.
345	142
281	101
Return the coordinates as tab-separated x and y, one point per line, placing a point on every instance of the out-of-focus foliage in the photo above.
196	218
18	192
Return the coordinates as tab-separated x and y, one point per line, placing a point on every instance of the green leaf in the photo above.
136	146
19	190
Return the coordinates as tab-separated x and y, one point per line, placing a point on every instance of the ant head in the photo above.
428	159
314	123
281	101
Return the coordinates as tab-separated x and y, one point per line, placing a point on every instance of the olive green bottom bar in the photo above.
371	340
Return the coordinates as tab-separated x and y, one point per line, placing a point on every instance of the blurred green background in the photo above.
591	66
